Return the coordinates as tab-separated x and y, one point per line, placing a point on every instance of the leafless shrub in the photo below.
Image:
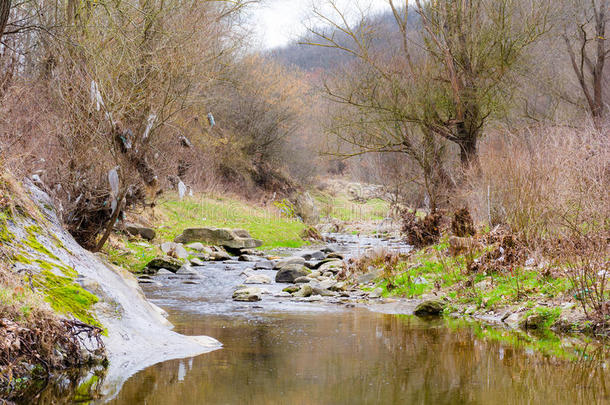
462	224
546	182
421	232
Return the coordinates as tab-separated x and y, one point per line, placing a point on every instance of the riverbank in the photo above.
492	278
80	290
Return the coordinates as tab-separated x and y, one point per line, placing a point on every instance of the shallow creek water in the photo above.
281	351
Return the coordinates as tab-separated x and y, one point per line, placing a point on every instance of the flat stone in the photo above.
258	279
335	255
195	261
186	269
302	280
368	277
190	282
263	265
324	292
289	262
150	282
334	266
220	256
141	231
291	289
313	255
249	258
164	272
199	247
322	262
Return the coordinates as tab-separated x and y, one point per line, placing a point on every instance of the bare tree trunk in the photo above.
5	10
467	141
111	222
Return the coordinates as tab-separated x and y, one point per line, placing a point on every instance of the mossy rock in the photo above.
166	262
430	308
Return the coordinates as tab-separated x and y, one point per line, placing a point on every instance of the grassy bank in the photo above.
539	295
264	223
173	215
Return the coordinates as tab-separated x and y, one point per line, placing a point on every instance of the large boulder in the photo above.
219	236
289	273
305	207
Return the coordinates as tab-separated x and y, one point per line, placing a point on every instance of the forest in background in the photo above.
499	106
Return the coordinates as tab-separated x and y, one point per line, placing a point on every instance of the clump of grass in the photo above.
129	254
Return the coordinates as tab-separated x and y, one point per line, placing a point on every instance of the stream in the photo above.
286	351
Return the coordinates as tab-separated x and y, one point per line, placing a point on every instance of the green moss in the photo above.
67	297
548	316
32	241
6	236
20	258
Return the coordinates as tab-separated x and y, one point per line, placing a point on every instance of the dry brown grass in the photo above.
545	183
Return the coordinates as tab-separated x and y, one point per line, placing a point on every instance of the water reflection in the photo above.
69	387
361	358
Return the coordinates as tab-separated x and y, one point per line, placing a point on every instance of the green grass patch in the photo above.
139	254
200	211
413	281
341	207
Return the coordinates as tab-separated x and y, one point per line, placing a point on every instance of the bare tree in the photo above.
585	39
5	10
437	79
